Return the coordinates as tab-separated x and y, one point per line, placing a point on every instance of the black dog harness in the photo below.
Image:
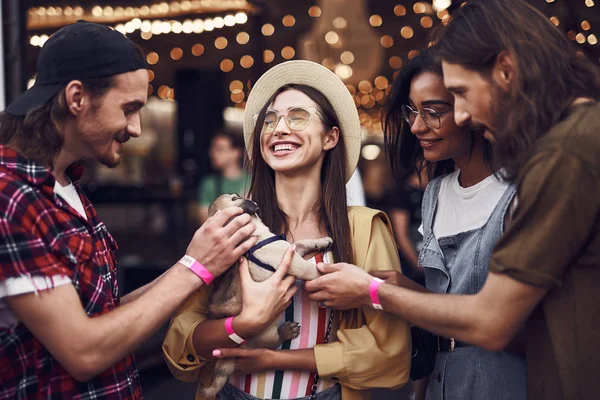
259	245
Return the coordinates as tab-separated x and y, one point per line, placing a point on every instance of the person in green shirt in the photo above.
226	152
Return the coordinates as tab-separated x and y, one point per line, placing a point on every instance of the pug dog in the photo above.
263	259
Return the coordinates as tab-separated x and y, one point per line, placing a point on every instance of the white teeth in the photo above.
284	147
428	141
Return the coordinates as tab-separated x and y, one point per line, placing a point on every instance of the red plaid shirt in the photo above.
41	235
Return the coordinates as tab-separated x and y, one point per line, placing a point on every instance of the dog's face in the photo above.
232	200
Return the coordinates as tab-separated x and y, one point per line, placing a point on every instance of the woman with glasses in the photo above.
302	135
464	210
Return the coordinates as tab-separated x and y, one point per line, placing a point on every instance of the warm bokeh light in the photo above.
288	52
331	37
340	22
426	22
400	10
267	29
197	49
246	61
226	65
268	56
387	41
220	43
347	57
381	82
375	20
314	11
242	38
365	87
288	21
395	62
152	58
407	32
176	53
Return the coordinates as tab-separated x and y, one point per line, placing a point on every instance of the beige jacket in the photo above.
372	350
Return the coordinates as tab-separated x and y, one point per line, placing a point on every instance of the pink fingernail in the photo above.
216	353
293	247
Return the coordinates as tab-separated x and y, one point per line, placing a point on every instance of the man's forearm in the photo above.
449	315
139	291
122	330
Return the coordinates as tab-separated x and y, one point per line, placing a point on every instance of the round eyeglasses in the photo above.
296	118
430	116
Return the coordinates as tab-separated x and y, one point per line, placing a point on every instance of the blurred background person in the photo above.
404	206
226	152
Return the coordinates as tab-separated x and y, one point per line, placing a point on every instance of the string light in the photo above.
149	28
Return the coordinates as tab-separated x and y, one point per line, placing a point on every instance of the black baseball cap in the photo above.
83	50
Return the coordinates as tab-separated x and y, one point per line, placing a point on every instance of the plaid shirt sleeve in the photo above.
24	254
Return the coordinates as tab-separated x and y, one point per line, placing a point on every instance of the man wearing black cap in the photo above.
64	331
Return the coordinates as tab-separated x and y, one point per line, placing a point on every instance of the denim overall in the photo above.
459	264
230	392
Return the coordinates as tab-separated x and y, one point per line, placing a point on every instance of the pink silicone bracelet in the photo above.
374	292
232	335
197	268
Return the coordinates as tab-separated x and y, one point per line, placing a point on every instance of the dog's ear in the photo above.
250	207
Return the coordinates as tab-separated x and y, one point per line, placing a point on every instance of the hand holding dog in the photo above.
343	286
222	240
265	301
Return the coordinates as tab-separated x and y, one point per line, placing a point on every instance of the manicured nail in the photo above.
294	247
216	353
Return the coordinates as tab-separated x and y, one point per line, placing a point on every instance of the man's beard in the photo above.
112	160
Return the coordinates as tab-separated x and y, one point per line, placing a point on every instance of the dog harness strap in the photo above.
197	268
259	245
232	335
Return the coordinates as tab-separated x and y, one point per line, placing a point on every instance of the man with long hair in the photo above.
64	330
514	74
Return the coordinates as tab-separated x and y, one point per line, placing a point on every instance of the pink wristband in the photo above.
374	292
197	268
232	335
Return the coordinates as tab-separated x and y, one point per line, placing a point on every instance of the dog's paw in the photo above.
289	330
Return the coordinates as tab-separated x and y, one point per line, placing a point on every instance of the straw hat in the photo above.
315	75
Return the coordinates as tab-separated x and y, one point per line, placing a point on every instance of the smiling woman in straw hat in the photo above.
302	135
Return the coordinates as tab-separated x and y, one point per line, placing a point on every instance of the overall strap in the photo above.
430	199
260	245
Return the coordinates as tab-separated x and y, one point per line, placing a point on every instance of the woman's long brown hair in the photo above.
550	72
331	209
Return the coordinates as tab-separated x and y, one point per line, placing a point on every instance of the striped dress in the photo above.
293	384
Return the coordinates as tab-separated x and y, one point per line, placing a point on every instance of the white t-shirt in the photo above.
462	209
29	284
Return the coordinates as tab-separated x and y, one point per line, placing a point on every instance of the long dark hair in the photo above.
550	74
37	135
331	209
401	146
